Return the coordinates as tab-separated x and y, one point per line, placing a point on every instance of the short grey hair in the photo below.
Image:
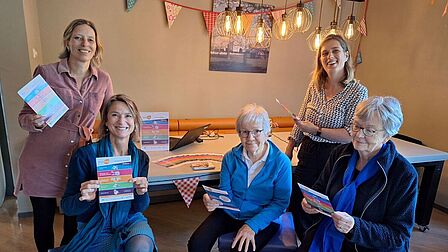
253	113
388	110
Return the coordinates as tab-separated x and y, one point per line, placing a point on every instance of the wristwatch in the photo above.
319	131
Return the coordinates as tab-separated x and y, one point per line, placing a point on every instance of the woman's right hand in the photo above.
38	122
308	208
88	190
209	203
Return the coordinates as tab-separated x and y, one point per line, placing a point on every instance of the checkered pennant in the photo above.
210	18
187	188
362	28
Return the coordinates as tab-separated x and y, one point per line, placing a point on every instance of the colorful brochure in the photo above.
317	200
43	100
222	197
114	174
155	131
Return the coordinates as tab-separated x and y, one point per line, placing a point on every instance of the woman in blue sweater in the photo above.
114	226
257	176
372	188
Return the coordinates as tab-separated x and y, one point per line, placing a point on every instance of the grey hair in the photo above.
388	110
253	113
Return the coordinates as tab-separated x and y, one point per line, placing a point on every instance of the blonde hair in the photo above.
98	57
320	76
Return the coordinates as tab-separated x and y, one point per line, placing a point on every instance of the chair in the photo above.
284	240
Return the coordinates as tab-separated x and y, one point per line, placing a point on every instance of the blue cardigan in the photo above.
268	195
83	168
384	208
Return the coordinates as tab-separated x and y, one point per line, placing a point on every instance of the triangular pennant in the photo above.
277	14
172	10
130	4
187	188
362	28
248	22
310	6
210	18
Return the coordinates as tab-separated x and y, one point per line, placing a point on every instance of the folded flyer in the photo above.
222	197
317	200
43	100
114	174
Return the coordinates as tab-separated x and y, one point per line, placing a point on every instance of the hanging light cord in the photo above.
320	11
335	11
353	6
286	3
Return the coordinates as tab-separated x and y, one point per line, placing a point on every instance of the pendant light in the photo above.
301	18
225	22
283	29
350	27
333	28
241	20
315	38
260	34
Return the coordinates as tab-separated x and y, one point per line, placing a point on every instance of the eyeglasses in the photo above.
366	131
254	133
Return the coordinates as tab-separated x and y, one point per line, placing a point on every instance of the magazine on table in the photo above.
317	200
222	197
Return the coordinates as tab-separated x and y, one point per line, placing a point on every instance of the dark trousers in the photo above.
312	158
219	223
44	210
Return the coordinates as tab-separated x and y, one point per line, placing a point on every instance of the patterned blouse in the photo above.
335	113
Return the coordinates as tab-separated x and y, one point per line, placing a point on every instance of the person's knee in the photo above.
140	243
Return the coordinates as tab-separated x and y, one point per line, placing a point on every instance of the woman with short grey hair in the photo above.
256	174
372	187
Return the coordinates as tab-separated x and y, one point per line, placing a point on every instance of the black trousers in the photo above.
312	158
219	223
44	210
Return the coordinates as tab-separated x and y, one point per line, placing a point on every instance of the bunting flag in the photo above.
172	11
187	188
277	14
362	28
310	6
446	9
210	18
130	4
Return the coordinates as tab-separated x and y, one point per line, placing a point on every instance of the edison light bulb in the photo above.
317	41
350	31
260	34
299	19
239	24
283	30
228	23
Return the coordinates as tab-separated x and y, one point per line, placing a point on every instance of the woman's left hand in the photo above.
343	221
306	126
140	184
245	236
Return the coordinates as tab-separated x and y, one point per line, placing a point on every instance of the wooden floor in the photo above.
173	224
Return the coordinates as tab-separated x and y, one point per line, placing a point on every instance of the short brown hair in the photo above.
98	57
103	131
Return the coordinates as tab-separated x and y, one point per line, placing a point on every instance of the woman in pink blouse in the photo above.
43	163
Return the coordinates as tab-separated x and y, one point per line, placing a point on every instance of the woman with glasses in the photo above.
324	119
257	176
372	188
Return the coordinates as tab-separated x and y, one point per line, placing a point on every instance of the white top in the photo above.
254	168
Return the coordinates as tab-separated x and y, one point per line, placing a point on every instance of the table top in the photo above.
163	175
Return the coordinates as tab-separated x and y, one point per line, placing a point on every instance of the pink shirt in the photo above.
45	156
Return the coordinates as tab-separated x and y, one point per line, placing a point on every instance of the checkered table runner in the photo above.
187	188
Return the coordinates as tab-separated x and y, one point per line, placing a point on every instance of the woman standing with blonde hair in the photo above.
324	119
43	163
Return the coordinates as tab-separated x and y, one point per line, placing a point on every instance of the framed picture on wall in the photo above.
234	53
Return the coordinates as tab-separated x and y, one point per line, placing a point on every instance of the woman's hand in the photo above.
343	221
245	236
306	126
209	203
140	184
308	208
88	190
38	122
